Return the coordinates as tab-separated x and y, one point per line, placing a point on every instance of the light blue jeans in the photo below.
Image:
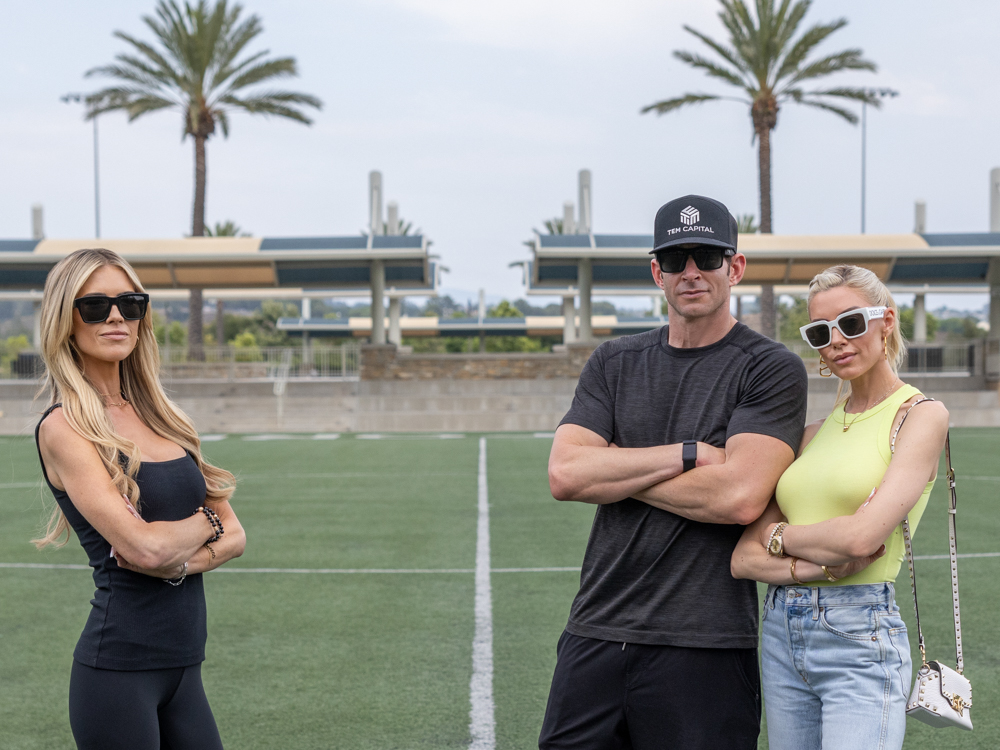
835	666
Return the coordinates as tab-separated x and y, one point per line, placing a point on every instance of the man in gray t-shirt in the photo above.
679	436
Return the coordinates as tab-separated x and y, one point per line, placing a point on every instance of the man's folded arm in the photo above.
734	492
584	467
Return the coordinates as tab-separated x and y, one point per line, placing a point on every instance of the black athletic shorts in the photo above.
615	696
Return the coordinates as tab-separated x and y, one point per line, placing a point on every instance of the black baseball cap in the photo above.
694	219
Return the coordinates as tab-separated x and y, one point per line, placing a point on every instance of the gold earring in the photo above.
885	347
823	365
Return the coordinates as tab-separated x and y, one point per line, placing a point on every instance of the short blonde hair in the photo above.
876	294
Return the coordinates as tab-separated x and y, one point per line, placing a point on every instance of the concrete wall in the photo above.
426	405
385	363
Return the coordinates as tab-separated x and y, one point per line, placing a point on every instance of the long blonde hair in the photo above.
877	294
82	404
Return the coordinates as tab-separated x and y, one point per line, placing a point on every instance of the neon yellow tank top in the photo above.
838	470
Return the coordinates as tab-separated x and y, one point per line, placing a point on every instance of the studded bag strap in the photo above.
953	551
952	545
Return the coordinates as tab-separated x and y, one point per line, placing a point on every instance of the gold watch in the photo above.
776	543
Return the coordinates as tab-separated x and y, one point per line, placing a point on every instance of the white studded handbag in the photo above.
941	696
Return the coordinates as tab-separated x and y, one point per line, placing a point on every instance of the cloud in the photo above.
555	24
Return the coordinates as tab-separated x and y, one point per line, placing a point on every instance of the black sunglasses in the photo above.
97	307
707	258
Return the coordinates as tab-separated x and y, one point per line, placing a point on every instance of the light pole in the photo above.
78	98
881	94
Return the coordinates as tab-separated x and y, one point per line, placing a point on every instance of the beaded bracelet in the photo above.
213	518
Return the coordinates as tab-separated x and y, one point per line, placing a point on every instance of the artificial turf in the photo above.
383	660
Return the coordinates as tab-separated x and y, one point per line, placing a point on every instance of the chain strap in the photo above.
952	544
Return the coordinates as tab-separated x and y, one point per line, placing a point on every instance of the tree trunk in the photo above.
196	350
768	318
198	217
220	322
764	171
195	301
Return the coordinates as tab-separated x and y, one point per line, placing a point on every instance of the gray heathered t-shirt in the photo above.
650	576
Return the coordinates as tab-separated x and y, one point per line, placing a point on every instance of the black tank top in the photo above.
138	622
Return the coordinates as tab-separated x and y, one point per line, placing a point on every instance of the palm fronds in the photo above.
768	58
195	66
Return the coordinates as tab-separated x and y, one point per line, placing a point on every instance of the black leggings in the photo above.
154	709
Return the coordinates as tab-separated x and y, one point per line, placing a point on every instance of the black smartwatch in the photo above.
689	454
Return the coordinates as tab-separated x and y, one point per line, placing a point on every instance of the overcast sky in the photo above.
479	116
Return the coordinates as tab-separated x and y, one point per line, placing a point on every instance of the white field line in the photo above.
482	723
421	571
961	555
326	571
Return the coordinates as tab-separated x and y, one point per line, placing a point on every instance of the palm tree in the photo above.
747	224
228	228
197	70
767	63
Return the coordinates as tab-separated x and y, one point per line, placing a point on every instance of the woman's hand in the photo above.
173	571
709	455
855	566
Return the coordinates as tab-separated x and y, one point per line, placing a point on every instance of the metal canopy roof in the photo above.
341	264
532	325
621	262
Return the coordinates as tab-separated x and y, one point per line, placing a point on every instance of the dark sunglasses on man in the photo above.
95	308
706	258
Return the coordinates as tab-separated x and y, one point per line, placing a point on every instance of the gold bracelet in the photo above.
795	577
829	576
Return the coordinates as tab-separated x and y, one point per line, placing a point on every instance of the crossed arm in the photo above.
727	486
158	548
848	544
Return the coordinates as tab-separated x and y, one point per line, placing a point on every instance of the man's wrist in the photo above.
689	455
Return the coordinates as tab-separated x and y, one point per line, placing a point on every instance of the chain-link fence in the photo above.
981	356
341	361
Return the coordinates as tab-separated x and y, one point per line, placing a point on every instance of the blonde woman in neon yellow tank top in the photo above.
835	658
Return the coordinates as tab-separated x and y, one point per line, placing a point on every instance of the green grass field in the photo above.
384	659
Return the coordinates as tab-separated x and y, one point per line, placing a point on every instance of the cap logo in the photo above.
690	215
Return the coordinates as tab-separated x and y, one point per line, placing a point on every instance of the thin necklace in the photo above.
878	401
124	398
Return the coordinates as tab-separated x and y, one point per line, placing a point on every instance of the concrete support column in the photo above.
36	328
995	199
569	319
378	301
585	283
920	319
395	311
993	276
584	225
196	350
37	223
482	317
569	222
920	217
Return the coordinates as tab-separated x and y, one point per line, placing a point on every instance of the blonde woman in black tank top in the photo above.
125	466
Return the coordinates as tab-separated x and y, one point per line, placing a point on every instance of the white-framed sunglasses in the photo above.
851	324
